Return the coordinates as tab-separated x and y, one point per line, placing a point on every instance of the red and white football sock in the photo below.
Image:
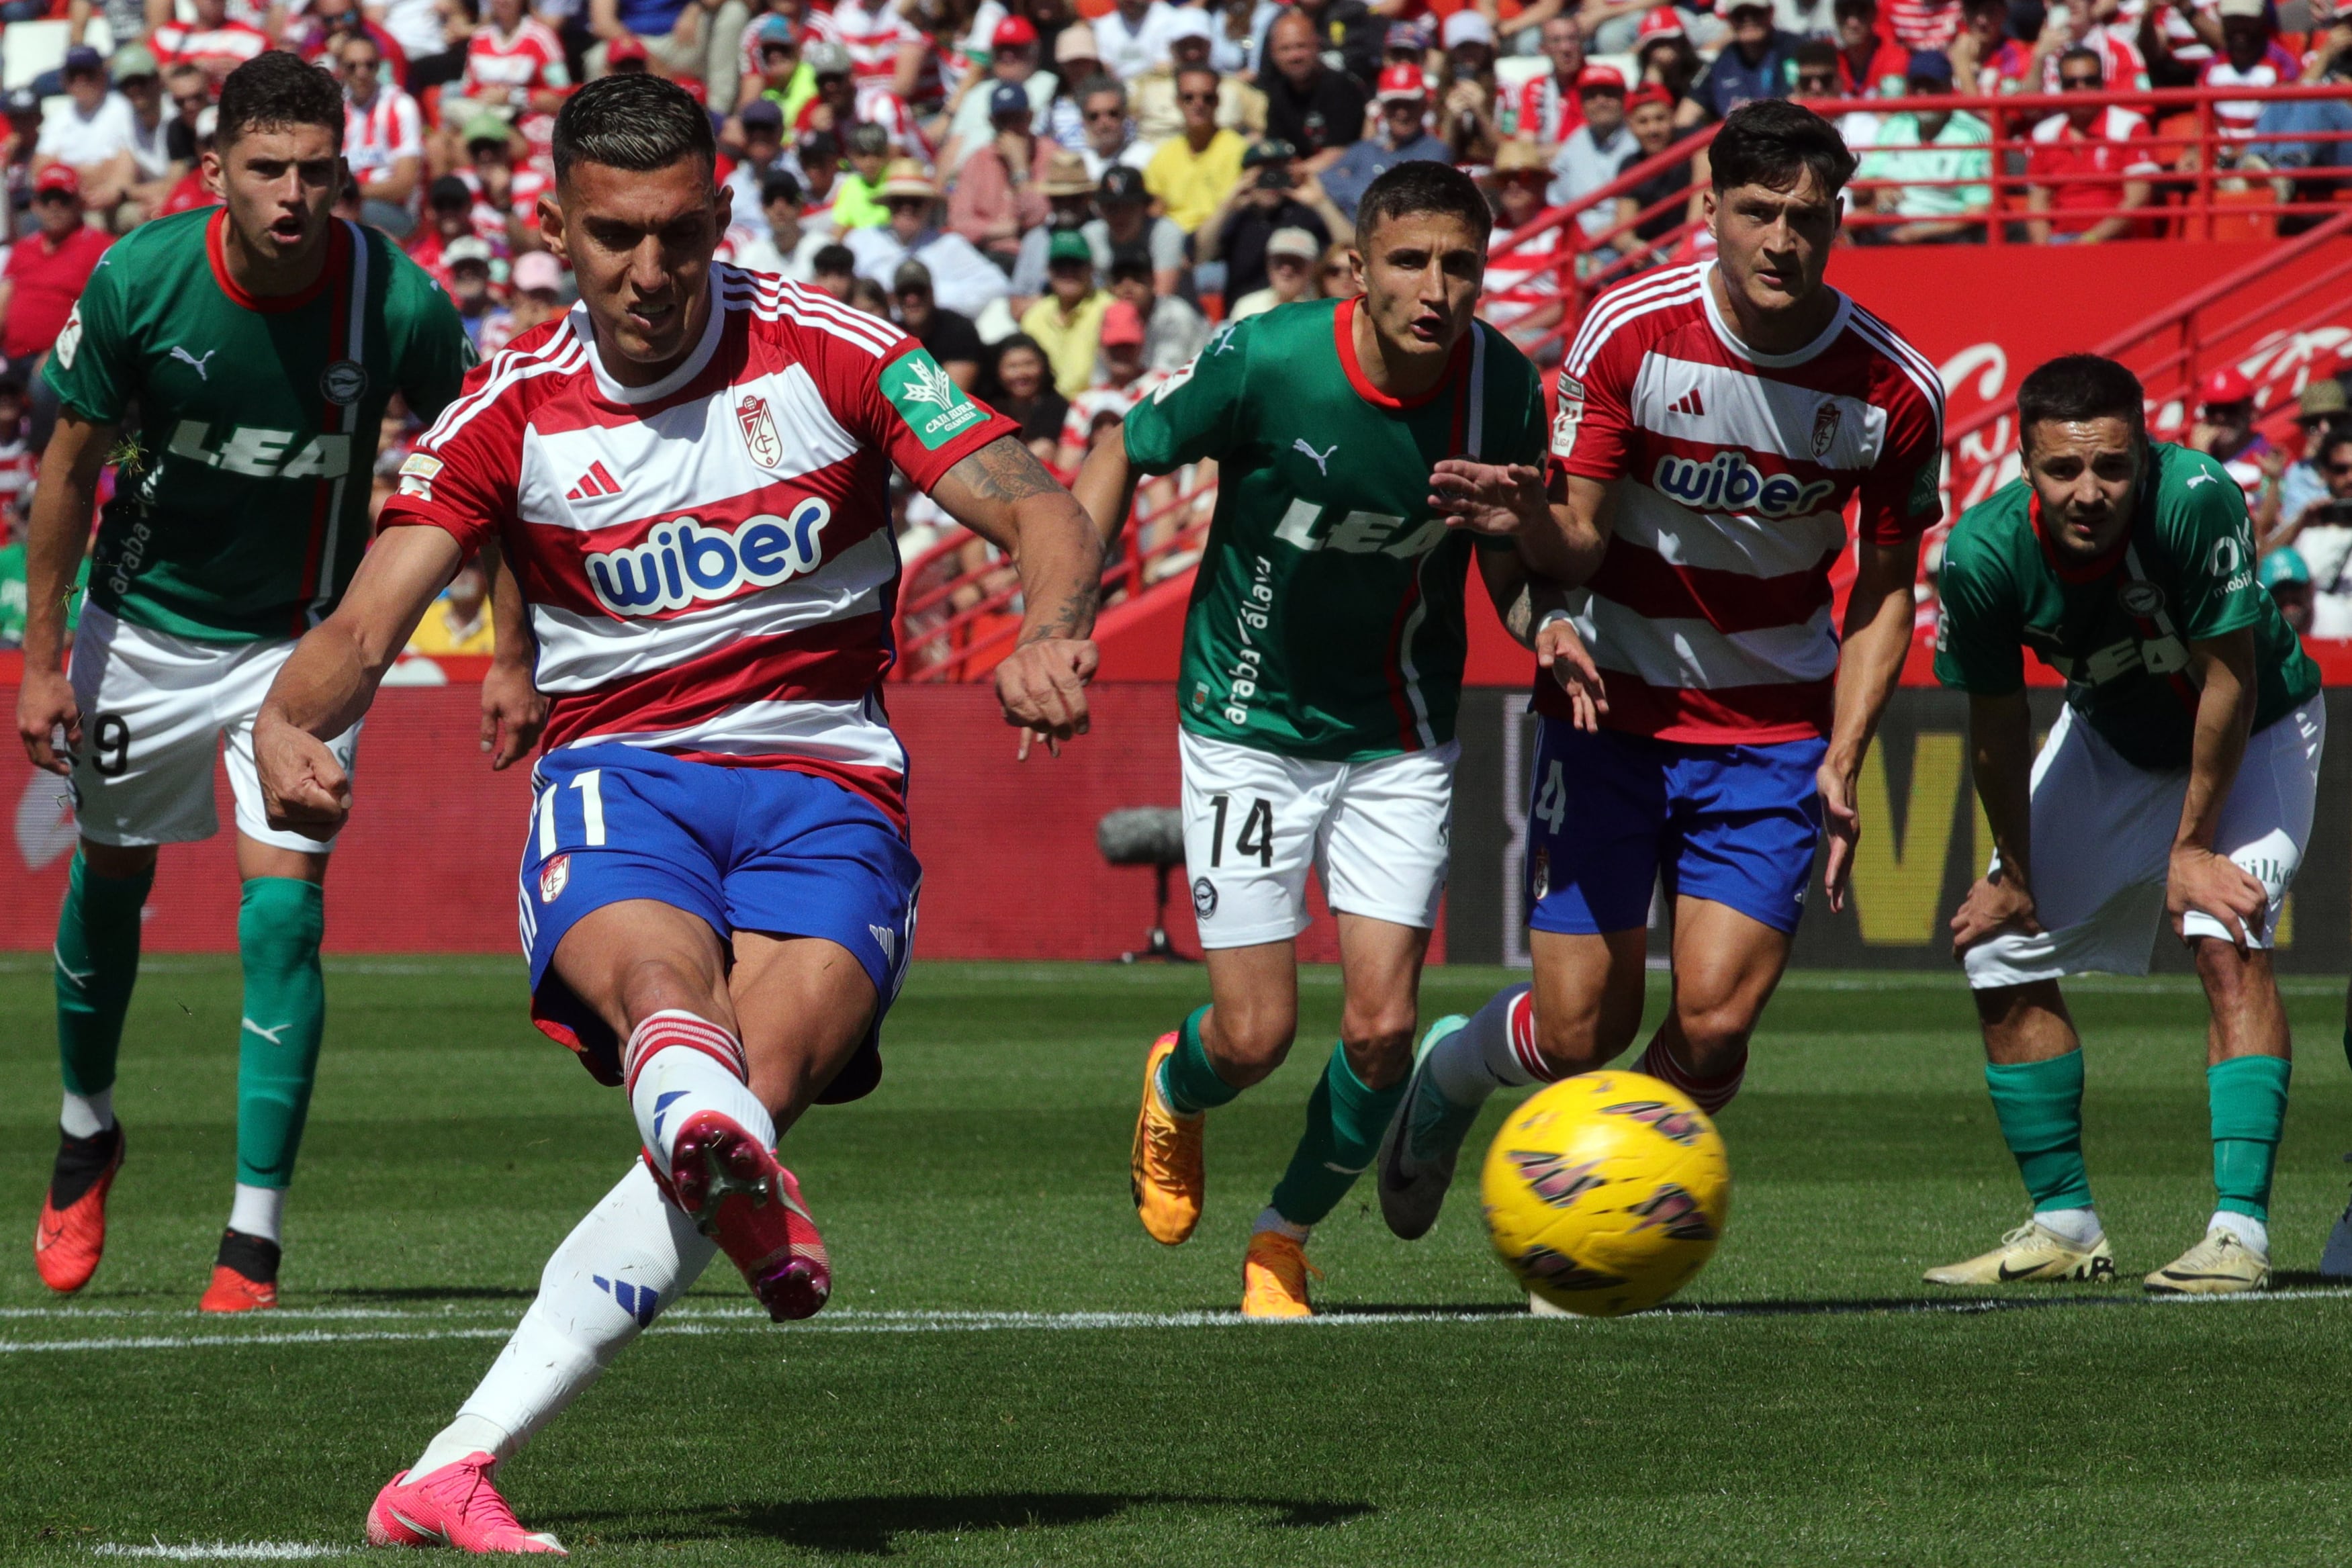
632	1256
1709	1094
1496	1049
678	1064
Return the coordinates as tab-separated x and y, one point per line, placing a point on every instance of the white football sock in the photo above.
2080	1226
1484	1055
257	1210
2253	1232
678	1065
87	1115
632	1256
1269	1219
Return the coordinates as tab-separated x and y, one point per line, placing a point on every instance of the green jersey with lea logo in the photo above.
1326	622
2118	627
244	509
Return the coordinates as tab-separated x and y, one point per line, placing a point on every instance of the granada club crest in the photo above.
554	877
759	427
1825	428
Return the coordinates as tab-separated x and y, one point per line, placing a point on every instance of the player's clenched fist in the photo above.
46	704
1042	688
303	788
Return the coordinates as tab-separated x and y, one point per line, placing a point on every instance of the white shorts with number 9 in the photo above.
155	708
1256	822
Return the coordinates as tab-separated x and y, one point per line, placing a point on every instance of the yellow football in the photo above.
1606	1193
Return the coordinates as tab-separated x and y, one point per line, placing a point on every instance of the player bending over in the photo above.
258	342
1321	675
1714	423
689	473
2177	785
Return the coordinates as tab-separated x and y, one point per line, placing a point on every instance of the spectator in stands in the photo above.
1173	329
1316	110
1107	129
1759	63
2079	27
2250	56
1192	176
999	194
2321	534
950	335
833	104
1127	225
1022	387
2093	143
2224	430
514	62
1545	109
466	260
192	192
1132	37
1269	195
757	150
214	40
459	621
192	92
157	158
1931	25
1470	96
1524	283
1614	26
1650	116
384	137
1870	63
46	273
817	155
832	270
962	279
1069	203
506	198
1987	57
857	194
1290	275
1930	168
92	131
780	75
1119	382
538	280
448	218
2279	130
1013	62
787	250
1351	26
1595	151
1152	95
1666	59
2321	409
2288	580
699	39
1067	322
1403	138
23	133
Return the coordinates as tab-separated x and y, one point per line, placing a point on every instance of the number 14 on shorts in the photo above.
1257	835
589	784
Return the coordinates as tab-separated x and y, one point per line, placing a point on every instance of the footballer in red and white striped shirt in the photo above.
687	478
1703	718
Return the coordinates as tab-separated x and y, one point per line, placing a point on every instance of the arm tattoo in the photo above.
1004	470
1069	620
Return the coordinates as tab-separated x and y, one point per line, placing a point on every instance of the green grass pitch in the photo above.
958	1404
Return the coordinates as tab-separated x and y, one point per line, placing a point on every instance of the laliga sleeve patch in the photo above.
417	475
933	406
68	342
1571	414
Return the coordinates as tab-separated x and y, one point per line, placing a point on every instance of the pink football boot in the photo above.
454	1506
742	1198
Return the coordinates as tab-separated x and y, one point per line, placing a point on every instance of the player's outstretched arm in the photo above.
1004	494
1877	636
1105	488
331	677
2197	878
2000	762
513	710
53	549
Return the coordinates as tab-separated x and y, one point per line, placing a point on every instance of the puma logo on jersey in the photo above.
186	358
1322	459
681	562
2197	480
261	453
268	1034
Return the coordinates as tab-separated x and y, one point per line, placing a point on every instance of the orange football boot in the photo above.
1273	1278
68	1241
245	1279
1165	1169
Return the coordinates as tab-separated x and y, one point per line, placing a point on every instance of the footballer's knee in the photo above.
1591	1032
1378	1039
1715	1034
655	983
1247	1041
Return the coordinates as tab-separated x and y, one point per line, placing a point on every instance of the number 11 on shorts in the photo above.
590	787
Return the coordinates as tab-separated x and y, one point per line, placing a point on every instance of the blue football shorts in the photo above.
765	850
1614	813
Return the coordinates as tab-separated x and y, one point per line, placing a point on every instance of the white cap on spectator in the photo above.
1076	42
2253	8
207	121
1293	241
464	249
1468	27
1189	22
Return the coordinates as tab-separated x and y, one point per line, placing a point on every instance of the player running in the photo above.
1322	671
2178	784
258	342
1714	423
689	475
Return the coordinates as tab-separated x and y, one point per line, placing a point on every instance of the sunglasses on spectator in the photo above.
2339	467
1197	97
1337	269
1821	80
46	197
786	50
910	204
1272	262
2084	81
1108	116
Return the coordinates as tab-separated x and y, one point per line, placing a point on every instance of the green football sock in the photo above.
97	965
1344	1124
2248	1098
1188	1077
2040	1105
279	926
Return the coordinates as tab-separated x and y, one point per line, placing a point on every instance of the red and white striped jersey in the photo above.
1078	424
1924	24
2237	116
709	559
529	59
1710	613
1544	110
387	128
873	34
217	51
812	27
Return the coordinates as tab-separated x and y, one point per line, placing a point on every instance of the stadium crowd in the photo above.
1060	199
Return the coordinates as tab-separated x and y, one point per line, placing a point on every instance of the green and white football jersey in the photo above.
2118	628
244	508
1326	621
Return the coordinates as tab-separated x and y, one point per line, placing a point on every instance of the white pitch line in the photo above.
225	1550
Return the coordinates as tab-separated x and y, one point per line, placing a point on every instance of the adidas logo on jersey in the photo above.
1728	482
1688	403
594	485
683	561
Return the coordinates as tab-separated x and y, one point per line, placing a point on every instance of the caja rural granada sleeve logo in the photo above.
927	399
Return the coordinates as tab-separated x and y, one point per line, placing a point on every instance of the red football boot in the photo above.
245	1278
72	1235
742	1199
454	1506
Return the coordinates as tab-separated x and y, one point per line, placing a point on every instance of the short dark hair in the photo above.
2080	53
276	90
2077	387
780	186
2334	436
1816	54
1773	143
1099	83
832	258
1425	187
1200	69
635	122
